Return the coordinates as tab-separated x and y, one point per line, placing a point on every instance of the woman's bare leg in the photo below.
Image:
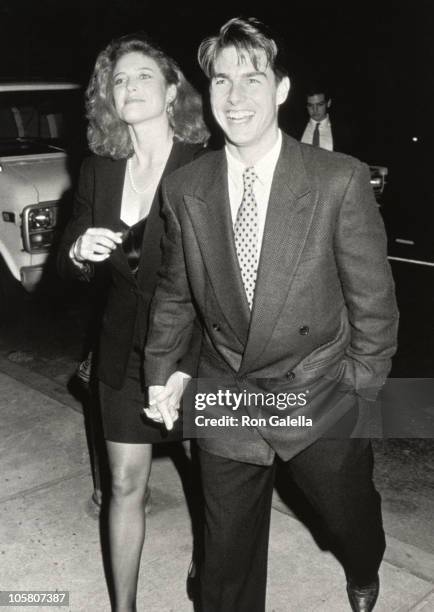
130	466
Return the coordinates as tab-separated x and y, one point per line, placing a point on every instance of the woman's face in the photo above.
140	90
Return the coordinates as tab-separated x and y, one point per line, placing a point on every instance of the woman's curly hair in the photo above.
107	134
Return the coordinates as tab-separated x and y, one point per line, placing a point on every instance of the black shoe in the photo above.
363	599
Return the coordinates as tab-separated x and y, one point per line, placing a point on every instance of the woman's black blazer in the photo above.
97	204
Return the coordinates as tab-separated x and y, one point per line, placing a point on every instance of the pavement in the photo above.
50	535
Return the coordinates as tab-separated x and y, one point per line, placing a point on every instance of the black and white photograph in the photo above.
216	306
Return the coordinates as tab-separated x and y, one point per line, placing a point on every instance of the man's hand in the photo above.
164	401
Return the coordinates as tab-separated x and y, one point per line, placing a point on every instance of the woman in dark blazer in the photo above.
145	121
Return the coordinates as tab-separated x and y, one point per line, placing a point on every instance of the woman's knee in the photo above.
130	466
128	482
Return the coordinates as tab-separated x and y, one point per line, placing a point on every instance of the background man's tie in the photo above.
315	138
246	235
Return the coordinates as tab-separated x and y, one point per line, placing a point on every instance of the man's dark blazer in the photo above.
324	308
98	204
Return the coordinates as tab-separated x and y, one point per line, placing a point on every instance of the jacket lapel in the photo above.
289	216
150	254
109	209
210	215
179	155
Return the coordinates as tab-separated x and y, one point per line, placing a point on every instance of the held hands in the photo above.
164	401
96	244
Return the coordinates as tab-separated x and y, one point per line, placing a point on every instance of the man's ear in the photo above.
329	102
283	88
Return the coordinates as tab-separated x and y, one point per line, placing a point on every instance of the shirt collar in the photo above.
264	168
323	123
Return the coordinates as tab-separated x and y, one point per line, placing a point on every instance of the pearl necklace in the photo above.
133	185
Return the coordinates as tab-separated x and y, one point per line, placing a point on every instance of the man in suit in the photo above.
323	130
279	252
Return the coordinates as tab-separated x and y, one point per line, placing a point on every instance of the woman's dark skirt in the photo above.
122	415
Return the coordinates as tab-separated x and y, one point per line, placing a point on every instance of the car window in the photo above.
39	121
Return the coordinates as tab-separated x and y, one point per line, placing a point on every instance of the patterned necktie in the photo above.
315	138
246	235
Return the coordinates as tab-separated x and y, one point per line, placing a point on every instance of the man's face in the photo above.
245	100
317	106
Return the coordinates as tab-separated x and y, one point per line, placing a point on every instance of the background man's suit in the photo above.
324	313
346	139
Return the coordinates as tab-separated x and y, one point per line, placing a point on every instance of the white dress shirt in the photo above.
264	170
325	133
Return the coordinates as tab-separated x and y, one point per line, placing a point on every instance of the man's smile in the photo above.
241	116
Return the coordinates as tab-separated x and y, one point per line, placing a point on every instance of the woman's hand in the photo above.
96	244
165	401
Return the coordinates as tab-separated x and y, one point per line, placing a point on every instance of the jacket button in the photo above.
303	331
290	375
216	327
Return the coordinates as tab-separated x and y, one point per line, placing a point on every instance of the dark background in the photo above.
377	57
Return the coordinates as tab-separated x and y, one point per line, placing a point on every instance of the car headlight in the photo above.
38	228
378	179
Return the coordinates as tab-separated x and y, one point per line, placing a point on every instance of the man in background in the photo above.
323	130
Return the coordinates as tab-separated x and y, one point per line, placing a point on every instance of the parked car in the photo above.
41	128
